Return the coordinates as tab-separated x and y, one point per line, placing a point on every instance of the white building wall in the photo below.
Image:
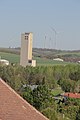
26	49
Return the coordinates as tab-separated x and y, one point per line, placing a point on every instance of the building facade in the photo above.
26	50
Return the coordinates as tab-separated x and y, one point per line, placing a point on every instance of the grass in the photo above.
44	61
13	58
57	91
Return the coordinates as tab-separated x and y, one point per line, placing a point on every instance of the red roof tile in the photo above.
72	95
14	107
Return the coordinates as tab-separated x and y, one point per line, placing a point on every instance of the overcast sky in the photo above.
43	18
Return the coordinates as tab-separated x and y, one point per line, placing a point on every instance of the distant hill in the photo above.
66	55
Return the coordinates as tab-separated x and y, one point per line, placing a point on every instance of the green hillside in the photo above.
43	56
12	58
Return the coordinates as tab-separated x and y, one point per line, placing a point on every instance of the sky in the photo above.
55	23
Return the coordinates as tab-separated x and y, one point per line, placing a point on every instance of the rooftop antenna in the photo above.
55	36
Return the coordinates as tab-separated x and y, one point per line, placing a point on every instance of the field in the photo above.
42	56
44	61
14	58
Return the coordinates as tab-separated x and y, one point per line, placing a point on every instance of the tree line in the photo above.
46	78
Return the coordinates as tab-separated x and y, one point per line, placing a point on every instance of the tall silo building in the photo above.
26	50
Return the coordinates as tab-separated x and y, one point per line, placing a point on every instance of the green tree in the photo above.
78	115
42	97
50	113
27	94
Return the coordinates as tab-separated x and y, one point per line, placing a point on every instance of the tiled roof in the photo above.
72	95
14	107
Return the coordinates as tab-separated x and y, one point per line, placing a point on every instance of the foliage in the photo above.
78	115
50	113
27	95
42	97
48	79
70	112
67	85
